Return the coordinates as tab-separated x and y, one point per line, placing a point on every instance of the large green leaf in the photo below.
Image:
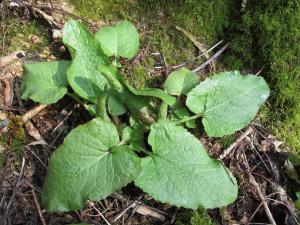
45	82
84	73
181	82
228	101
119	40
89	165
181	173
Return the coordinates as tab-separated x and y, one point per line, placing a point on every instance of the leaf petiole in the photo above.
189	118
76	98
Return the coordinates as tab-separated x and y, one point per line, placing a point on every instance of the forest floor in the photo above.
30	132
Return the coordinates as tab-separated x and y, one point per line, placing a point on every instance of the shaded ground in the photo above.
256	159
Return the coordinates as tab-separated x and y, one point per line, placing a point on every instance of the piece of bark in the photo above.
146	211
9	91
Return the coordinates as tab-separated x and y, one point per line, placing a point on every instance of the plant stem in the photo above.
188	119
163	111
76	98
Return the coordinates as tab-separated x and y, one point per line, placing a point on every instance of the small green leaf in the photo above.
181	82
134	136
101	110
228	101
181	173
119	40
45	82
115	107
126	134
137	139
84	73
89	165
154	92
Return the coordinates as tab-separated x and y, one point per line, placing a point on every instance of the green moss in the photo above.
15	138
205	19
29	36
2	160
268	34
107	10
156	20
140	75
197	217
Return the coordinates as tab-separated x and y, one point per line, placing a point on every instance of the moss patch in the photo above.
15	138
156	21
27	35
268	34
197	217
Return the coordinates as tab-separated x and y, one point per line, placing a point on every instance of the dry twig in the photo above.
146	211
9	90
33	132
98	211
214	57
38	207
227	151
33	112
192	61
139	208
258	191
199	45
12	198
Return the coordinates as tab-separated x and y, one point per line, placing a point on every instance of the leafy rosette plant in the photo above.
100	157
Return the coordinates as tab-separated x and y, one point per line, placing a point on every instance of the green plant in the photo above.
100	157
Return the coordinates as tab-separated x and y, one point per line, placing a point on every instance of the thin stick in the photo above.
227	151
33	112
62	122
256	210
48	18
288	208
215	56
202	47
14	192
130	205
212	48
9	91
259	193
35	155
97	210
38	207
146	211
261	69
